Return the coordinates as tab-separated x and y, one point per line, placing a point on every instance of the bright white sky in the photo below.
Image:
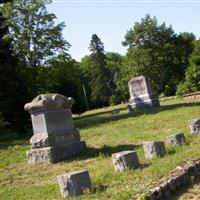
111	19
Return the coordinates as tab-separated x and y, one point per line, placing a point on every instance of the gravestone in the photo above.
194	125
177	139
141	94
74	183
54	136
154	149
125	160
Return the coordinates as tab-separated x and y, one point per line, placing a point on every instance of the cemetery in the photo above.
78	121
124	156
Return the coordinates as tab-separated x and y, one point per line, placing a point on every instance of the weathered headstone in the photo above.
154	149
141	94
55	137
194	125
74	183
125	160
178	139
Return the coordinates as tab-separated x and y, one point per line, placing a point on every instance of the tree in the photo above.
36	37
114	64
12	81
85	73
64	77
157	52
192	79
100	83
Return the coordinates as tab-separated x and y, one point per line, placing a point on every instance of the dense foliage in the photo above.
192	79
157	52
36	37
12	82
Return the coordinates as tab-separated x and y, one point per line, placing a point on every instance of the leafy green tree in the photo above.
157	52
36	37
100	82
127	71
12	81
64	77
85	70
114	64
192	79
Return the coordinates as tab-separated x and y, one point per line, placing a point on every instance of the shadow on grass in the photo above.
97	119
8	139
98	188
100	113
105	151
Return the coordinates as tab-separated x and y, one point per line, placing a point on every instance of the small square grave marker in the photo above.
194	125
154	149
178	138
125	160
74	183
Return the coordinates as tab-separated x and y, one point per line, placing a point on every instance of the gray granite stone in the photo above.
73	184
56	153
125	160
54	134
176	139
194	125
141	94
154	149
47	102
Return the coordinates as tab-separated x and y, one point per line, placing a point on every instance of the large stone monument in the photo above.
55	137
141	94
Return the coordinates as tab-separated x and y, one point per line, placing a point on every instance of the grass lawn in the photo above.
104	134
191	193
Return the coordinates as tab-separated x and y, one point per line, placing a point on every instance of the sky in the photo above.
111	19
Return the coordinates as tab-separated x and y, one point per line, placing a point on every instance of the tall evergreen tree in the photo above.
12	85
100	91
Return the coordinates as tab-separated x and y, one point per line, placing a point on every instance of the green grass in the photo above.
191	193
104	134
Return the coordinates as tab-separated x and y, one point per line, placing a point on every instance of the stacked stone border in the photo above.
194	95
181	177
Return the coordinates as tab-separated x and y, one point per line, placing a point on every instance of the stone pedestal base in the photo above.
55	154
138	104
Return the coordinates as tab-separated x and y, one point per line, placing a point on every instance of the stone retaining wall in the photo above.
193	95
181	177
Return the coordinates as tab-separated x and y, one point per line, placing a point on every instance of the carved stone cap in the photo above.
46	102
138	78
